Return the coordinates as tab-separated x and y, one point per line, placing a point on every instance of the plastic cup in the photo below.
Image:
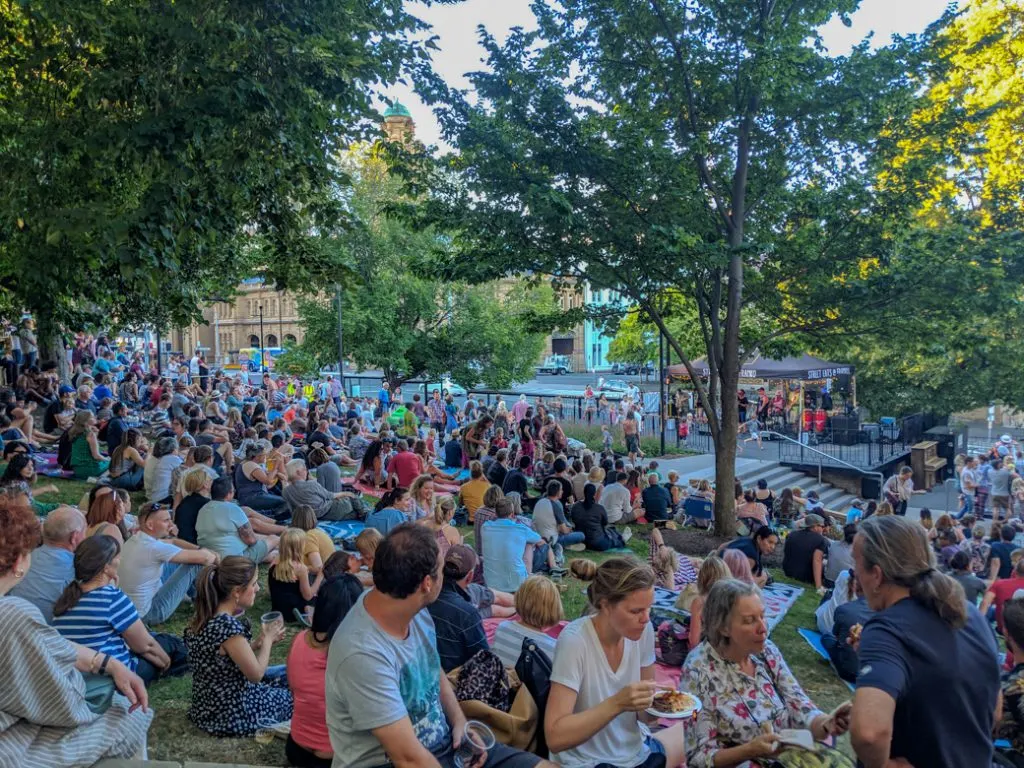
477	741
271	618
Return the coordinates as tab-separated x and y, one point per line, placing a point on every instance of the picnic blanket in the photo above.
339	530
778	599
460	473
814	640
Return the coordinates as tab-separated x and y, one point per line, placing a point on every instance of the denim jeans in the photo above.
178	581
130	481
966	506
268	504
576	537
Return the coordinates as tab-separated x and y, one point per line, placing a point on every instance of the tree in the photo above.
399	318
712	148
960	146
153	153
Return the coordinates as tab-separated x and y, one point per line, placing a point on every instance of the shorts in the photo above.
656	758
632	444
257	551
540	558
498	756
482	599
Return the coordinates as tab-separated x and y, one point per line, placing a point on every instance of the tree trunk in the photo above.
51	346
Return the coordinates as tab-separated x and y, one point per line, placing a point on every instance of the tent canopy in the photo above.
804	368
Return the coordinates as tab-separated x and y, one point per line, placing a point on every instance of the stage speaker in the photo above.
843	385
845	429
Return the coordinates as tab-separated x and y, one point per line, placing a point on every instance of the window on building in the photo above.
271	340
289	338
254	340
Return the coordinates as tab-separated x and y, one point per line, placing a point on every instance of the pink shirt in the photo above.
307	673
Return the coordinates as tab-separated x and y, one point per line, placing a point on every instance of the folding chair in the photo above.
695	509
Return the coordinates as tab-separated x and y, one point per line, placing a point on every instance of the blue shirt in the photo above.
460	631
98	620
51	570
504	542
384	397
386	519
102	391
908	652
1003	550
746	545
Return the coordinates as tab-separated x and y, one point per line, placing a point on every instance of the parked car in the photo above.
613	385
446	385
633	369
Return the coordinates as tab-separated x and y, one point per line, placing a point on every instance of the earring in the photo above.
18	574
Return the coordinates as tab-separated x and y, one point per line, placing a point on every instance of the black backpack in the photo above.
534	671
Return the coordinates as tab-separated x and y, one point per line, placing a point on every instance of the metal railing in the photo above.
833	459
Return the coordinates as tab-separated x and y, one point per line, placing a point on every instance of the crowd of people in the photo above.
241	481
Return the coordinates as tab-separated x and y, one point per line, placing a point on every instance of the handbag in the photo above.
483	678
821	757
533	669
519	726
673	643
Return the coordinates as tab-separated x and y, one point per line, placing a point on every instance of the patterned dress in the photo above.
224	702
44	718
736	705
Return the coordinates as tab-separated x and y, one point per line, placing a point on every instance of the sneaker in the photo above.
581	547
559	572
627	534
559	553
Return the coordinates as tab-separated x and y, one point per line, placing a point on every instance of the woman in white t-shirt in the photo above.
602	678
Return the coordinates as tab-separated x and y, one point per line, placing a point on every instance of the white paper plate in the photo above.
683	715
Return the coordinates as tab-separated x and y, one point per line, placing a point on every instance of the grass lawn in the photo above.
173	737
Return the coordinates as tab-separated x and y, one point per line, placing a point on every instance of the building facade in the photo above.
233	325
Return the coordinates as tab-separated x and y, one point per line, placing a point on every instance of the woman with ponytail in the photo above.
234	690
392	510
128	461
929	680
94	612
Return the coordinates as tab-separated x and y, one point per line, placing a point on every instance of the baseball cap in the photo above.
812	520
66	390
459	561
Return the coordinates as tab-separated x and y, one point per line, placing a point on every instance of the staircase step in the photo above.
751	475
832	494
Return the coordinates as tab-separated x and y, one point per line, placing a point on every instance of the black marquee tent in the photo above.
803	368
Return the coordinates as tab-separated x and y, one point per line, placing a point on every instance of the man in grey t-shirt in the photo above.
999	477
388	701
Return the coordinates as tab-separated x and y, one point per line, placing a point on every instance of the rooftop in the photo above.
397	110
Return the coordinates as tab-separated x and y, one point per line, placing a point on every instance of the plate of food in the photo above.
676	705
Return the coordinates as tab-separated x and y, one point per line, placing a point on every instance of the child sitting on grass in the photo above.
292	587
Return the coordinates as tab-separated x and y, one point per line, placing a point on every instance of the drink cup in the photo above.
477	741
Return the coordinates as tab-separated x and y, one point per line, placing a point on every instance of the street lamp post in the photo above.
341	345
263	361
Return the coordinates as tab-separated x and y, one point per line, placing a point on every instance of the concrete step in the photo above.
758	471
831	494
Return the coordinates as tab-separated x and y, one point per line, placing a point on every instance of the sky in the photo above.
461	53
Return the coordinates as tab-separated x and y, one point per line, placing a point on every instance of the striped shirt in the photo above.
98	620
44	719
508	642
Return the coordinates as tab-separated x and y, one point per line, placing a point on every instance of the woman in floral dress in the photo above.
234	690
745	686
